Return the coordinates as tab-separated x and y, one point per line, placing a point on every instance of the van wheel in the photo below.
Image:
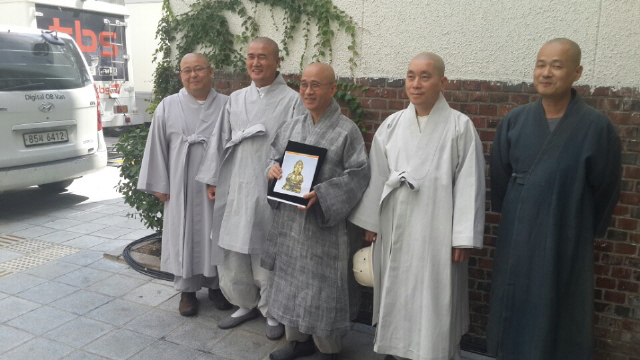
57	186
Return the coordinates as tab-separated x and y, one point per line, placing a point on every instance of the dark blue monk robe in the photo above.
556	192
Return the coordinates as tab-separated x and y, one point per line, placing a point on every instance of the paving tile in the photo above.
110	245
53	269
108	265
79	332
134	274
87	228
59	236
85	241
81	302
88	216
110	219
151	294
83	257
166	350
156	323
12	337
13	226
47	292
62	224
171	304
108	209
197	334
209	356
119	344
112	232
116	285
63	213
243	345
33	232
34	219
118	312
40	349
87	206
84	277
12	307
133	223
19	282
83	355
41	320
6	255
138	234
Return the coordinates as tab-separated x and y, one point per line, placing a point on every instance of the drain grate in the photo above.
5	273
35	253
55	252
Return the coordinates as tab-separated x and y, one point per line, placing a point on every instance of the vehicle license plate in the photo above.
45	137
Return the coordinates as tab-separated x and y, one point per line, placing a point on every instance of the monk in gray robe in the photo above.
424	208
178	138
234	169
555	178
307	249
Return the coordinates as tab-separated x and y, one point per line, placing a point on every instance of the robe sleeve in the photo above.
604	176
367	213
209	170
338	196
275	157
500	166
468	190
154	170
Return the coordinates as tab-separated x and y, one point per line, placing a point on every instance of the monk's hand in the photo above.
370	236
312	200
275	172
163	197
211	192
460	255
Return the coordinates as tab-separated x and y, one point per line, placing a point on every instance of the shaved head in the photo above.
325	71
575	54
196	56
437	61
272	44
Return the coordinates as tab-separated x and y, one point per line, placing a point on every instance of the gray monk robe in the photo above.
556	191
426	195
175	147
308	251
235	160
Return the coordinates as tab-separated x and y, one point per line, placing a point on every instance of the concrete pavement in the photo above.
61	299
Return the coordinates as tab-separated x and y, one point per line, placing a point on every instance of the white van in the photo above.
50	128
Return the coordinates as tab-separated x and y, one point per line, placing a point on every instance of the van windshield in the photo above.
29	62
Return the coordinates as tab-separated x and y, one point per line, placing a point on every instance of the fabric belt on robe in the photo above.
397	179
240	136
187	142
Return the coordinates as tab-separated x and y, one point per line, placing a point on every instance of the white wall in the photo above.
143	22
481	40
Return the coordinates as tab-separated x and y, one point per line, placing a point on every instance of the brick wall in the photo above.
617	256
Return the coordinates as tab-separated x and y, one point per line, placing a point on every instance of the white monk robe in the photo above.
177	142
426	195
235	161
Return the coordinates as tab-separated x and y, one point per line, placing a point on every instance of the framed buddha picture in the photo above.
300	165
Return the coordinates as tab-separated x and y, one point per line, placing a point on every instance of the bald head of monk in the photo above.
317	87
425	81
197	75
263	60
557	68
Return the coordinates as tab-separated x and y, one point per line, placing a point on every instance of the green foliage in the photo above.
346	95
131	146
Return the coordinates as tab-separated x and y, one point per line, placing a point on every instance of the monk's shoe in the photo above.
275	332
294	350
219	301
231	322
188	304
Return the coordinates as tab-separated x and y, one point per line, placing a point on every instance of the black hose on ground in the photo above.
156	274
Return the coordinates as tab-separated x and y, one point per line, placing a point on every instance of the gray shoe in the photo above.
231	322
275	332
294	350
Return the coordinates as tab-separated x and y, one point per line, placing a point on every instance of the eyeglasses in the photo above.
198	70
314	85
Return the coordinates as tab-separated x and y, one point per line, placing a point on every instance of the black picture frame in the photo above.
304	150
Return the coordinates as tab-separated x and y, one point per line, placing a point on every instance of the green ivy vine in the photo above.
205	28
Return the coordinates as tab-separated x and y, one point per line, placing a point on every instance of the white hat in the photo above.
363	266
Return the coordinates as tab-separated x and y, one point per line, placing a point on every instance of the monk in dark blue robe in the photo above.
555	178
